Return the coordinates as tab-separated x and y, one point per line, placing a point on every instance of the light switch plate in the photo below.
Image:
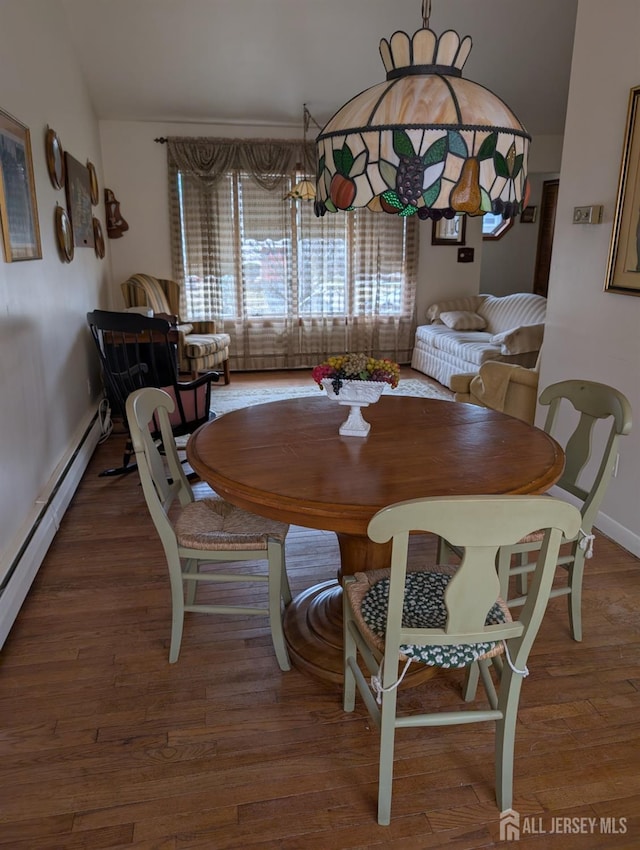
587	215
465	255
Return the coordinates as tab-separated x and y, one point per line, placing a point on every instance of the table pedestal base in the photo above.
313	631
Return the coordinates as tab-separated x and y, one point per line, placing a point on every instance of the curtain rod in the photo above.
161	140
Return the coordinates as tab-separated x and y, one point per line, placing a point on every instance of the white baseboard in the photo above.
20	564
618	533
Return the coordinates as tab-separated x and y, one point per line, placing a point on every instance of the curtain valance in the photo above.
269	162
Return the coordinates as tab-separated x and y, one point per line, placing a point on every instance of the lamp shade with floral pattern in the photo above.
426	141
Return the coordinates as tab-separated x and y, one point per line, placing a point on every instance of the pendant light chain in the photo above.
426	13
304	189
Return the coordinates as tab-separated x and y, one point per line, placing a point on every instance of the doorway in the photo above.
548	204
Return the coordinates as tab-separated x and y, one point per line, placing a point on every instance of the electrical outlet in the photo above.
587	215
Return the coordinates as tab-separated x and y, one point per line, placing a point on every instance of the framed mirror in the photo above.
55	158
93	183
98	238
449	231
64	234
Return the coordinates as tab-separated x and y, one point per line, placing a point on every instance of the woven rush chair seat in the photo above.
214	524
424	608
199	533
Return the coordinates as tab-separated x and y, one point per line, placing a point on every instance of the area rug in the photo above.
228	398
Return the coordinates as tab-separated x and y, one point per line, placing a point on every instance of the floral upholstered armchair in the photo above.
200	347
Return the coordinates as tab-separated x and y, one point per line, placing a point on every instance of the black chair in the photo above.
141	351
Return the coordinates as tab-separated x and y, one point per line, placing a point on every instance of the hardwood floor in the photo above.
103	744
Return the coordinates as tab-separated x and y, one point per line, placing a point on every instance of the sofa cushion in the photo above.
463	320
473	347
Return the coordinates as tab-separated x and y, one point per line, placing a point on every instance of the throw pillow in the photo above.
463	320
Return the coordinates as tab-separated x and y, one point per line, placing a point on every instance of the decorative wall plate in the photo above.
64	234
93	182
55	158
98	238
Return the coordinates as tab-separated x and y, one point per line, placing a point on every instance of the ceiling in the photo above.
258	61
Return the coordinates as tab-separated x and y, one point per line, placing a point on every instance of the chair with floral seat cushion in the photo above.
600	416
205	531
449	617
201	347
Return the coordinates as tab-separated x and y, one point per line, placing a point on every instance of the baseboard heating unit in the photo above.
20	564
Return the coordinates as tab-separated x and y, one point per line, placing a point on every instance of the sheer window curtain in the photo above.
289	288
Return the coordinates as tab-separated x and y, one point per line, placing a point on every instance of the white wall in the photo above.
44	342
590	333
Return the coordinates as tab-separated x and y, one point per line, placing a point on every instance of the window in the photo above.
272	264
494	226
276	276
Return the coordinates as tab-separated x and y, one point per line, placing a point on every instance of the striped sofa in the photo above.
463	333
200	348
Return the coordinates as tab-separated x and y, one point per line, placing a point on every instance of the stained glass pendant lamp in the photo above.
305	190
426	141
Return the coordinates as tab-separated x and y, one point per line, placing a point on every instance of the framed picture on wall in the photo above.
78	189
18	206
449	231
623	267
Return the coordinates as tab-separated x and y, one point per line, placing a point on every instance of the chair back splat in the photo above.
600	416
140	351
449	617
204	531
594	415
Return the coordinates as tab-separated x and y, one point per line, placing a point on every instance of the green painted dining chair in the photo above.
449	617
205	531
596	414
592	414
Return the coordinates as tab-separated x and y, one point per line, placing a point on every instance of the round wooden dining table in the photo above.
286	460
